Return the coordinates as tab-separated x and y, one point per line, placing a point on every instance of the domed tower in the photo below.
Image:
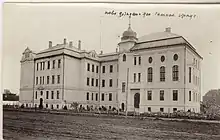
128	39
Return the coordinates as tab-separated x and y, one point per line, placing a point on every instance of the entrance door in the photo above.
41	103
137	100
123	106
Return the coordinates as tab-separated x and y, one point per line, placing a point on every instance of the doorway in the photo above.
41	103
137	100
123	106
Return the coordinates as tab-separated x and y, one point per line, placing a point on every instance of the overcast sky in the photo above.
34	25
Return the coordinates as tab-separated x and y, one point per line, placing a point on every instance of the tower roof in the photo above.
129	33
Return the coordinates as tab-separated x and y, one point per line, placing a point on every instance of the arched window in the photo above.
162	74
150	74
124	57
175	73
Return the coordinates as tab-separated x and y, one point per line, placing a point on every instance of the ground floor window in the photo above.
51	106
161	109
26	105
149	109
46	105
57	106
174	109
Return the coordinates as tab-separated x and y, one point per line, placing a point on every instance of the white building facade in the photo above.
159	72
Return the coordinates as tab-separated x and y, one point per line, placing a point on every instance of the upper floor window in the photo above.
139	77
87	81
53	78
93	69
43	65
123	86
150	59
97	69
48	64
52	94
111	68
36	95
43	80
103	83
54	64
110	96
175	57
92	84
58	79
175	95
175	73
40	80
190	74
190	95
87	96
150	74
37	66
97	82
139	60
135	61
149	95
162	73
134	77
161	95
59	63
124	57
36	80
88	67
110	82
103	69
162	58
96	97
92	96
48	79
58	94
47	94
103	96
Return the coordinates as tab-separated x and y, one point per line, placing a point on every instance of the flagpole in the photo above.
127	92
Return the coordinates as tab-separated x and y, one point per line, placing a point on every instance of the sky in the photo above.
34	25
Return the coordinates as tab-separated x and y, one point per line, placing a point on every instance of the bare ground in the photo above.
42	126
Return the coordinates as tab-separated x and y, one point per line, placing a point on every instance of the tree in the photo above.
75	105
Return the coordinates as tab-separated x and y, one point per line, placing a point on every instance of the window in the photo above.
87	96
52	94
58	94
92	84
43	65
59	63
54	64
134	77
162	58
40	80
53	78
124	57
40	65
190	96
175	95
97	82
97	69
96	97
88	67
103	96
190	74
139	60
46	105
149	109
175	57
110	96
150	74
36	95
87	81
47	94
150	59
162	73
149	95
103	83
161	109
41	93
93	69
92	96
58	79
43	80
174	109
161	95
37	66
123	86
103	69
193	96
139	77
48	64
111	68
175	73
57	106
48	79
36	80
134	60
110	82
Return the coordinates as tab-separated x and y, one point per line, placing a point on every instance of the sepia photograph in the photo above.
110	71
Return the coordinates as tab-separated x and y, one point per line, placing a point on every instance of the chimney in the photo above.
101	52
50	44
168	29
79	45
64	41
71	44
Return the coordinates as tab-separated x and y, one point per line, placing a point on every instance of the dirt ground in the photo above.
42	126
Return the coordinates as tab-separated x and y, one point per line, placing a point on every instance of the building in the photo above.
159	72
